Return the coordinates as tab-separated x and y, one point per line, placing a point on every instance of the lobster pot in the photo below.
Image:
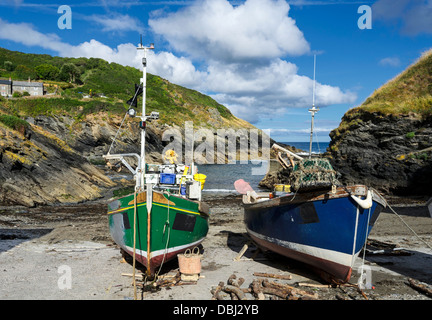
190	262
311	174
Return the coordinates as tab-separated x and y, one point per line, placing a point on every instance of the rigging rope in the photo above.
121	124
418	237
168	238
134	244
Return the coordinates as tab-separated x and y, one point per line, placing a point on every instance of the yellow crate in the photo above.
282	187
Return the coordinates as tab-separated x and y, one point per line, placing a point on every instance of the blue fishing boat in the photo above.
324	229
315	219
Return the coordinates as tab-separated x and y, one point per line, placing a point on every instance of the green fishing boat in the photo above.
164	216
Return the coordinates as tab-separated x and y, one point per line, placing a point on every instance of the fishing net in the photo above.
311	174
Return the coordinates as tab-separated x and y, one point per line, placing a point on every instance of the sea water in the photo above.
221	177
317	147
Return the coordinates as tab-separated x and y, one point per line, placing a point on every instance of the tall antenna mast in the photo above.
313	110
143	116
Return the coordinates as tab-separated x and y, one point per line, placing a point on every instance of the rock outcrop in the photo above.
387	141
388	152
53	159
58	159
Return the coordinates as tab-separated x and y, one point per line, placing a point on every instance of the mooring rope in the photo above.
134	245
168	238
418	237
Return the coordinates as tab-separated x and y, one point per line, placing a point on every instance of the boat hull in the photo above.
176	224
324	230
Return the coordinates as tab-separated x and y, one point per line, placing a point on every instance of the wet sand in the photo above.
41	249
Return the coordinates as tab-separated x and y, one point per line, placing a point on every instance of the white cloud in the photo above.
117	23
390	61
217	30
414	16
24	33
241	52
268	90
177	70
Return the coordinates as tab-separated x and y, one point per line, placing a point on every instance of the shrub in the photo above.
13	122
410	135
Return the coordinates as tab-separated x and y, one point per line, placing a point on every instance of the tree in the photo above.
9	66
47	72
69	72
24	72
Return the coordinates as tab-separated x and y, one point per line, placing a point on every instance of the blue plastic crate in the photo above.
167	178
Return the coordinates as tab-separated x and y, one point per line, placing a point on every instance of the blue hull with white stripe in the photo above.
325	230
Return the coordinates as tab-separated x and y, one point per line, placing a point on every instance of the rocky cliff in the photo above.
389	152
387	141
51	147
58	159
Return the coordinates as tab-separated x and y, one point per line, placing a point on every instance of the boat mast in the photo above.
143	116
313	110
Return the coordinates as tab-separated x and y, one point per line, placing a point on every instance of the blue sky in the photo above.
253	56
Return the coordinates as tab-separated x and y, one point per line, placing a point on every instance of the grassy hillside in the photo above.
409	92
74	78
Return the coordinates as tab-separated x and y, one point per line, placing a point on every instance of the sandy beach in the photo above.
66	253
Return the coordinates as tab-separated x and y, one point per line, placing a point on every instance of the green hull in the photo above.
176	224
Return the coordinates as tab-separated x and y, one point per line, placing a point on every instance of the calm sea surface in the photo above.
320	147
221	177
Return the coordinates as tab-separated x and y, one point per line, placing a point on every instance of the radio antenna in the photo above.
313	110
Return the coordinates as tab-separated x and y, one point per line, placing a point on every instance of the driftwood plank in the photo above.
420	286
272	275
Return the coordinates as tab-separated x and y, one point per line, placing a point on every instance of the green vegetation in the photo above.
13	122
123	191
410	135
409	92
109	85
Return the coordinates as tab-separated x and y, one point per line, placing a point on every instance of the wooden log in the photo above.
257	289
293	291
272	275
237	291
273	291
232	280
421	287
303	284
216	293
